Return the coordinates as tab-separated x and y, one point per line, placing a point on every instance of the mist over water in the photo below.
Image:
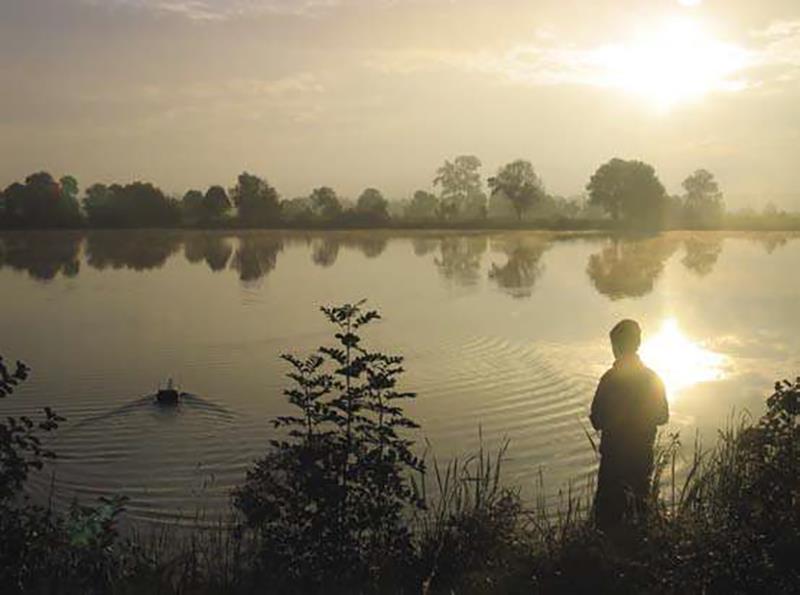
505	332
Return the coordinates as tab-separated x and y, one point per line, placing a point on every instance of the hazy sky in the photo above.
355	93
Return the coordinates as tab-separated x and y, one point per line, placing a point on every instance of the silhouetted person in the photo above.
629	403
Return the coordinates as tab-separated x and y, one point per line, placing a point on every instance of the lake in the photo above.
503	333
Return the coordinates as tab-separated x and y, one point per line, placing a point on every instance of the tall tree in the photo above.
424	206
703	203
41	198
325	203
518	182
460	182
474	208
139	204
297	210
13	199
372	205
192	205
257	202
69	187
42	202
216	202
69	207
146	205
628	191
98	206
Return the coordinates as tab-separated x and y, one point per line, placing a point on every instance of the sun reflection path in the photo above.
679	361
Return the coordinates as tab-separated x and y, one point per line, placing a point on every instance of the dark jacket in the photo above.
629	403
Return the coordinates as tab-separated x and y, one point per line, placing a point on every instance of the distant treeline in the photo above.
620	194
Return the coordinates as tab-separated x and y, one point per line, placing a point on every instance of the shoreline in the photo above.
604	230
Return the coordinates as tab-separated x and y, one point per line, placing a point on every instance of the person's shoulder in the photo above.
650	372
608	380
653	376
608	374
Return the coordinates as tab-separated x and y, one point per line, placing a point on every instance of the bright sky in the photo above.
356	93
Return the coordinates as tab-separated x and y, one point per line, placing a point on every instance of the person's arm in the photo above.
598	412
662	406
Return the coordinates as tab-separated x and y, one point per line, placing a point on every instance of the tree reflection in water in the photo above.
772	240
213	249
523	267
460	257
424	245
256	256
42	255
629	267
622	267
139	251
702	253
325	248
370	244
324	251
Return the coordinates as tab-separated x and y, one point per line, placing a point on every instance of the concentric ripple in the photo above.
507	391
167	460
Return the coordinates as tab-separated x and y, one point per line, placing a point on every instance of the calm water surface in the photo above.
502	332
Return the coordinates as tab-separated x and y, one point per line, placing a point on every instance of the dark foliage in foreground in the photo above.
40	550
327	500
340	504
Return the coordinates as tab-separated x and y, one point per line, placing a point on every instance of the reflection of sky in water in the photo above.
506	331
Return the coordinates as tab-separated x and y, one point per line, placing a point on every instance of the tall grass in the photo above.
179	559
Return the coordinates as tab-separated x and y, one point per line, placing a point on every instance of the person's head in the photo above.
625	338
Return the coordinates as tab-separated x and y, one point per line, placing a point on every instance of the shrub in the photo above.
328	498
739	519
41	550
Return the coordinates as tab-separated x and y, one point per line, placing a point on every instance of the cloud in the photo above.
221	10
192	9
258	89
780	29
778	62
294	98
679	54
137	109
546	65
783	43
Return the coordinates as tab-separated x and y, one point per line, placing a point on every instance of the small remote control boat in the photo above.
168	395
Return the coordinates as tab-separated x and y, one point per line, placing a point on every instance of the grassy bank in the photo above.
786	222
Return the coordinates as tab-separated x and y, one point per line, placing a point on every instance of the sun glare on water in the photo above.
675	62
679	361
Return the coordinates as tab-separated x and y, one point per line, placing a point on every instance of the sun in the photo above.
677	61
679	361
